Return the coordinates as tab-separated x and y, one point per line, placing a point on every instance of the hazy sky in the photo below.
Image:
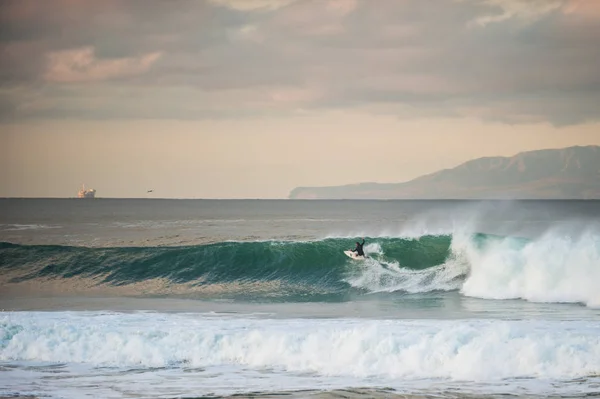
251	98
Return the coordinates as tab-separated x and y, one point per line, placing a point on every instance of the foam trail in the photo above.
378	274
552	268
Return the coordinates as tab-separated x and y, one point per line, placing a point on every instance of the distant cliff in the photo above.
569	173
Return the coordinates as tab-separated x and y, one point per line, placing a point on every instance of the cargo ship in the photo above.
89	193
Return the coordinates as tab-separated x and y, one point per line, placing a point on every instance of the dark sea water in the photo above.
187	298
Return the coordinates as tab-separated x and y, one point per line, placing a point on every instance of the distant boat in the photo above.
89	193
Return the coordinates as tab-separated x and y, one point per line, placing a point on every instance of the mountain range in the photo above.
568	173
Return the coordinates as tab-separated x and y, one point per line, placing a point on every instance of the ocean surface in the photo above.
111	298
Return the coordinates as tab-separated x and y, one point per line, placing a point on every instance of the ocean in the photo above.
149	298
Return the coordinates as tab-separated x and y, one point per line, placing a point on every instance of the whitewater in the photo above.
133	298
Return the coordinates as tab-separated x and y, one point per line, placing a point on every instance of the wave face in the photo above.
552	268
270	268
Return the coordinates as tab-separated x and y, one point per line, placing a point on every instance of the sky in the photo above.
252	98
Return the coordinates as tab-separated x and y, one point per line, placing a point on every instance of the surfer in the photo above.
359	248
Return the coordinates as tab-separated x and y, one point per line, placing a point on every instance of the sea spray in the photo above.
551	268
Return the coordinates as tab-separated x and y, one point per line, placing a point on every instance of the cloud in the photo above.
509	60
295	96
314	18
584	8
81	65
251	5
526	10
342	7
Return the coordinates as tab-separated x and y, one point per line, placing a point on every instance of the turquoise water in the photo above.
231	297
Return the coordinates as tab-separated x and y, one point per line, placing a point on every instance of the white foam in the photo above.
455	350
552	268
377	274
382	276
555	267
19	227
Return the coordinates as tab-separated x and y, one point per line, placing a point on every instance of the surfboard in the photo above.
353	255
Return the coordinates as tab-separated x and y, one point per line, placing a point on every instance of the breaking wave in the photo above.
552	268
447	349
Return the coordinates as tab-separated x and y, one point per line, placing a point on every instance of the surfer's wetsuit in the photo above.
359	249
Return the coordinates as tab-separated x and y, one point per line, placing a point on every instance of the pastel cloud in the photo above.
507	60
81	65
526	10
251	5
315	18
295	96
585	8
